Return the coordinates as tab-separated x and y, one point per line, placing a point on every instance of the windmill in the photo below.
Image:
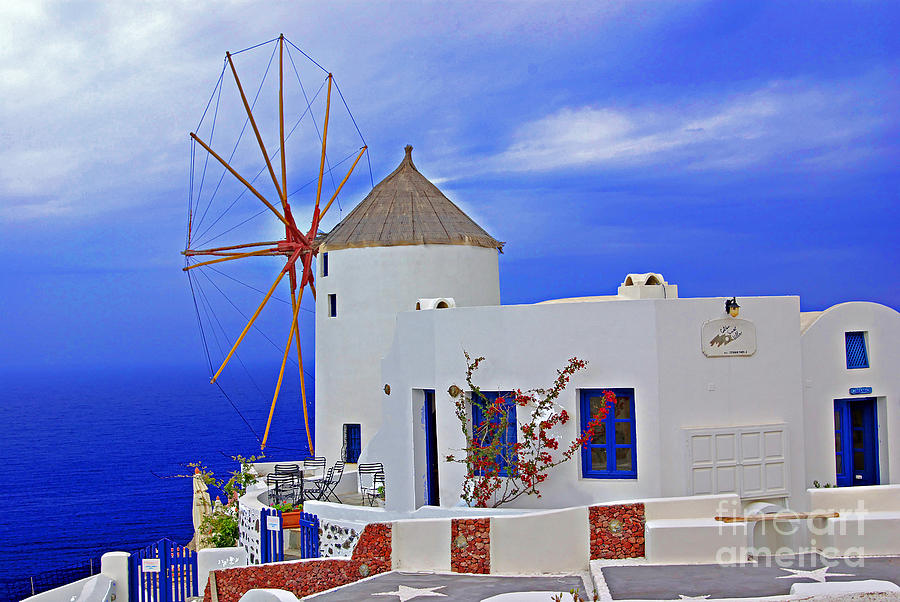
298	245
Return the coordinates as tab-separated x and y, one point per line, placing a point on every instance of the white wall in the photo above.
697	391
65	593
421	545
372	284
826	378
524	346
652	346
546	542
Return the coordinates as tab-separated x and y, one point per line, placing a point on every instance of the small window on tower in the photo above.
324	264
332	306
857	354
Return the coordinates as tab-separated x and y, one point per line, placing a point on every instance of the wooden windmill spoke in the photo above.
307	277
344	181
324	141
312	285
229	248
229	257
259	139
249	324
232	254
291	226
287	349
281	119
296	302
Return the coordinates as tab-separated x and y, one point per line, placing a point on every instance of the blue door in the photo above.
856	441
432	490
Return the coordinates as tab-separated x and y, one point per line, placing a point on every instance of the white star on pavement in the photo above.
683	597
816	575
408	593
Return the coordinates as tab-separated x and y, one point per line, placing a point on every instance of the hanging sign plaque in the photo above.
273	522
150	565
728	337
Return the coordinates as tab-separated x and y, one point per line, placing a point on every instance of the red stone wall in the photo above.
617	531
372	555
470	545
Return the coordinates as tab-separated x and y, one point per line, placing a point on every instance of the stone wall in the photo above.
338	540
371	556
470	545
617	531
249	537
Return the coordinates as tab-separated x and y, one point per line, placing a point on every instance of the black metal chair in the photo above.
287	469
369	480
296	485
317	465
313	475
282	487
379	487
330	483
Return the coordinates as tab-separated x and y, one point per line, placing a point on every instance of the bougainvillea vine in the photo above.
499	471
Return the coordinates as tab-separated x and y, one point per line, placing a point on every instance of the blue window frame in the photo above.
612	453
332	306
352	443
508	438
324	264
857	356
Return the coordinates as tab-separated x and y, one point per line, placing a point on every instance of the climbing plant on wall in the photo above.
513	441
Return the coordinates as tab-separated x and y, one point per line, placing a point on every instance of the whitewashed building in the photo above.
763	404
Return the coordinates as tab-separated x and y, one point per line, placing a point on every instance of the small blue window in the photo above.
508	439
857	357
612	453
332	306
324	264
352	443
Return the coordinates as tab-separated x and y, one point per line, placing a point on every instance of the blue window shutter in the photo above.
511	432
857	357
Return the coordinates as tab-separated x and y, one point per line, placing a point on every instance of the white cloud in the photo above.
783	120
98	97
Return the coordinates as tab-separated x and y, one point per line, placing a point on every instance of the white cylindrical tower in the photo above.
404	242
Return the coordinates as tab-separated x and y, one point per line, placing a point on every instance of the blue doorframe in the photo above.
856	441
432	488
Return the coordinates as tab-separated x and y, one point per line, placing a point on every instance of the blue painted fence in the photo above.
176	579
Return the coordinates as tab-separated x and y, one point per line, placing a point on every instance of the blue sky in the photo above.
740	148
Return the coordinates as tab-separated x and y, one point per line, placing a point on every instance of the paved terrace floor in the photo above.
768	576
764	578
442	587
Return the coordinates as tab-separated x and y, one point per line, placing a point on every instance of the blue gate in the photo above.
272	540
162	572
309	535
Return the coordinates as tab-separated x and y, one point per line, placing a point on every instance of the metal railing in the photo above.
19	588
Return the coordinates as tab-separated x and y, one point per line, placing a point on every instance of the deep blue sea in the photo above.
85	455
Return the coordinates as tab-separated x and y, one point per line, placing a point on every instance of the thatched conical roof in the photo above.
406	209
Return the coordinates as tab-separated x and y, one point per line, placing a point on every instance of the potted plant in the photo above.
290	514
